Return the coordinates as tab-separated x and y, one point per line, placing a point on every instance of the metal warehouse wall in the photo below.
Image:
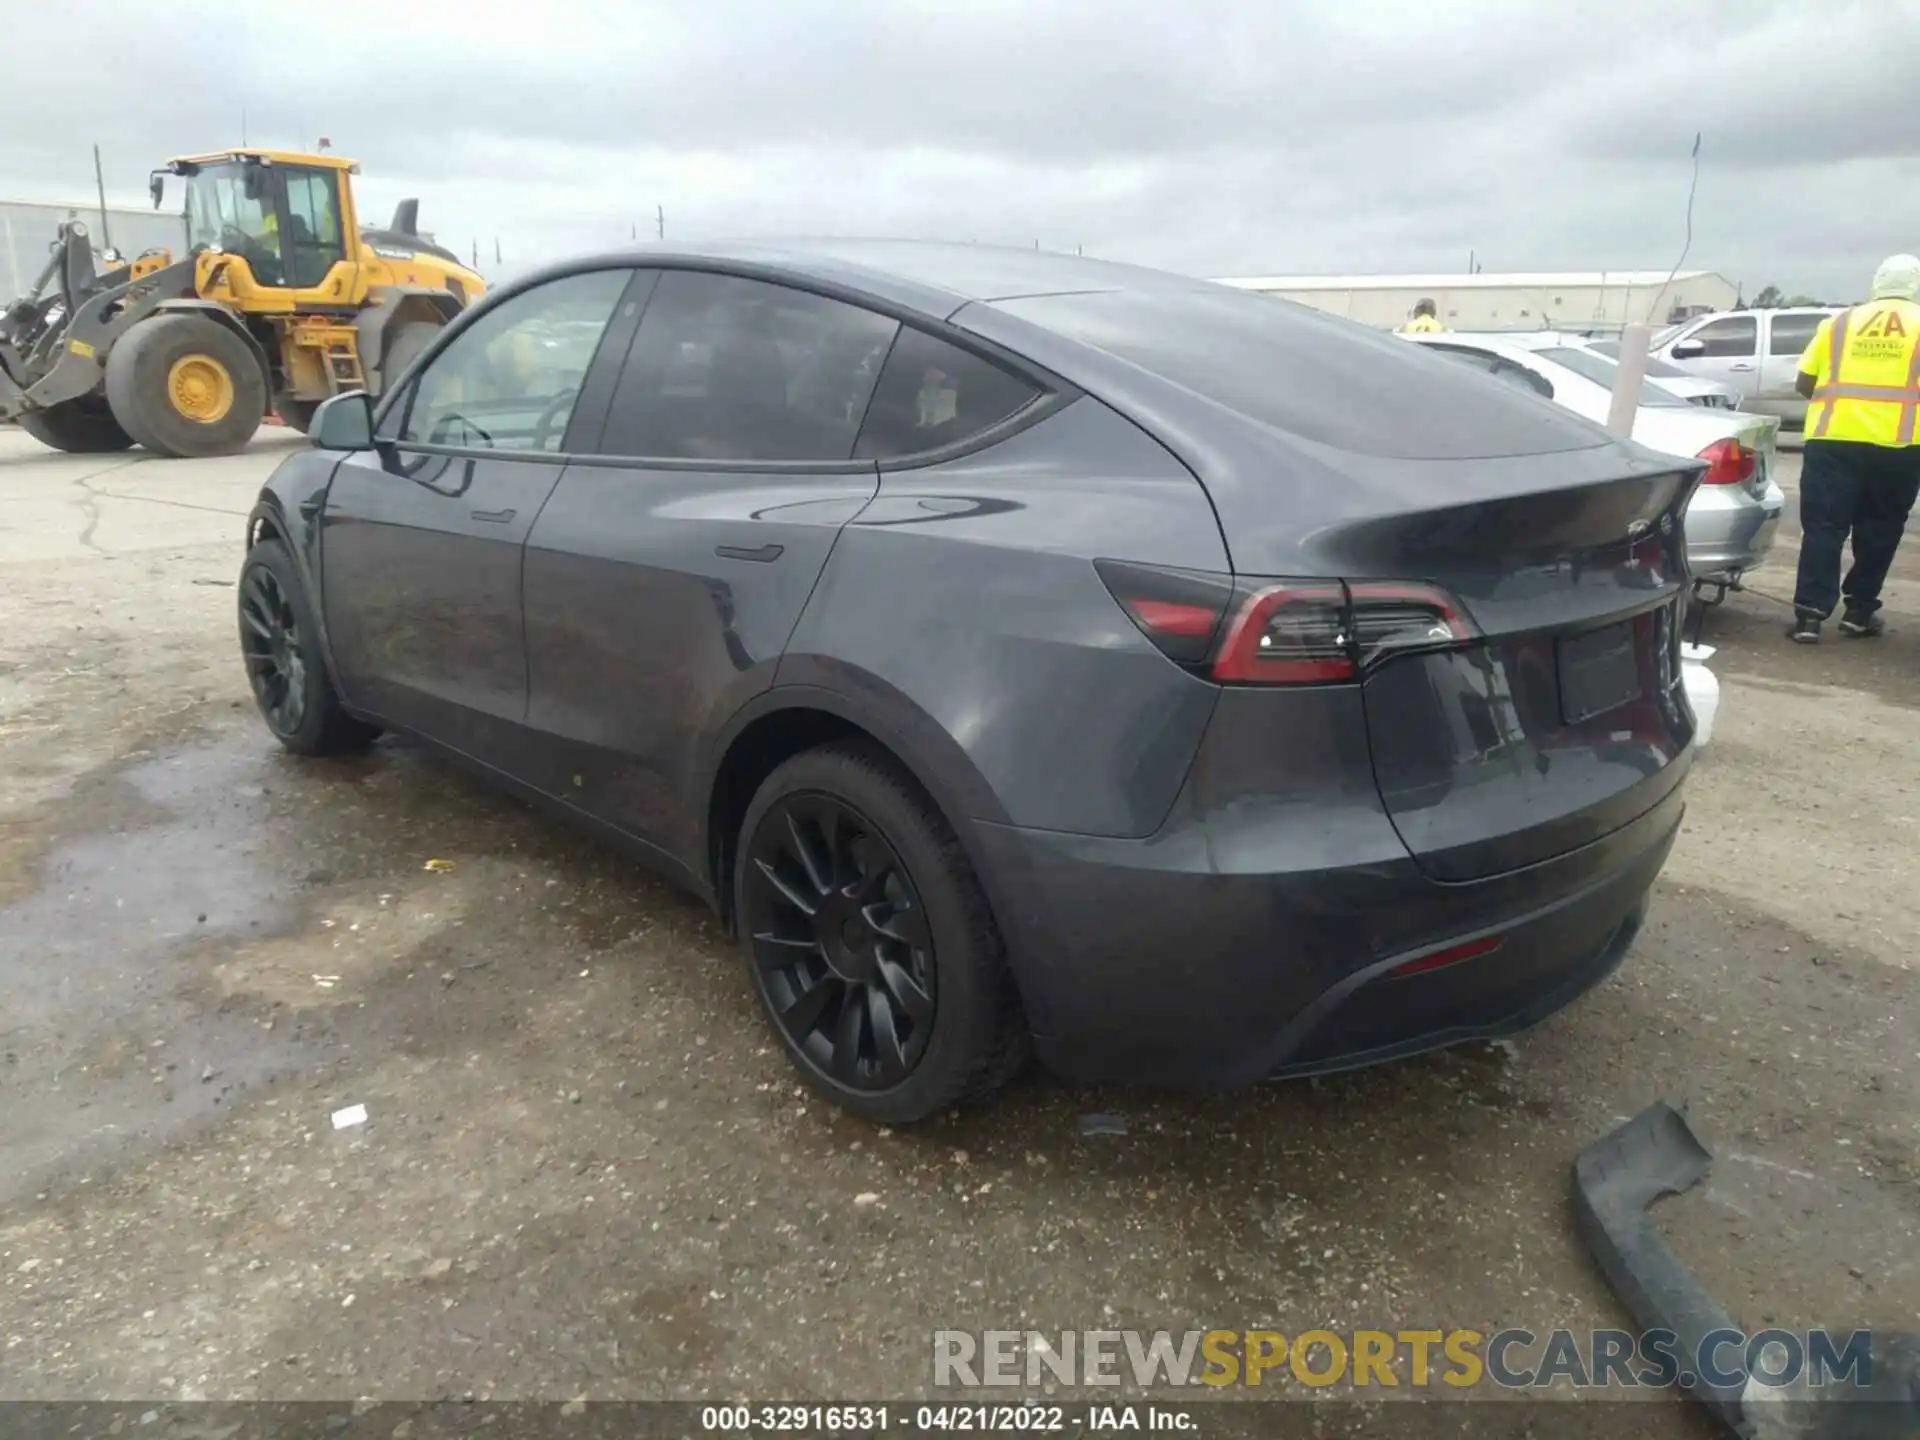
27	228
1501	308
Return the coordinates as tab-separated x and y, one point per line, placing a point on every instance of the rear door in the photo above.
1788	333
670	566
422	538
1726	349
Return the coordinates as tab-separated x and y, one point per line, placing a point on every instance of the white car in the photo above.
1735	512
1689	387
1756	352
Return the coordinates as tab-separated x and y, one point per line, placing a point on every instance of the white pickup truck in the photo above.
1755	352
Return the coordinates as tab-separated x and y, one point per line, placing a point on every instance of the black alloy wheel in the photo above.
270	643
842	948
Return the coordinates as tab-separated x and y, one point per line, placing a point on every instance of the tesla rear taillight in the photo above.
1728	463
1177	609
1288	635
1282	632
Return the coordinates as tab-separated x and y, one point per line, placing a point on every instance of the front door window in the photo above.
230	207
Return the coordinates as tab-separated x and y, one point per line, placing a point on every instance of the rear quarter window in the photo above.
933	395
1323	379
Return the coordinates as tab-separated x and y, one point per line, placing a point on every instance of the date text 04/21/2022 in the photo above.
941	1418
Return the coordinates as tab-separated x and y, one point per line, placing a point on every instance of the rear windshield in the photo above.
1601	370
1656	367
1324	379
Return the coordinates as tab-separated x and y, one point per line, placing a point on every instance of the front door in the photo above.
423	535
668	571
1726	349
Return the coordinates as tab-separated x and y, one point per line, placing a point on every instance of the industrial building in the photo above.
27	229
1597	301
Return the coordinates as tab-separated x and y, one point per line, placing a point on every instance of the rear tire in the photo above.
297	413
183	385
80	427
825	825
405	344
286	668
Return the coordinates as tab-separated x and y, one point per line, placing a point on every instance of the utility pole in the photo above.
100	184
660	220
496	250
476	252
243	125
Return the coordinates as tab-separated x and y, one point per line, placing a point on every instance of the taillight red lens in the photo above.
1452	955
1728	463
1287	635
1178	610
1282	632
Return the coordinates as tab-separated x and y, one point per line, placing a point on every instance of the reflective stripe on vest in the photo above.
1906	396
1836	347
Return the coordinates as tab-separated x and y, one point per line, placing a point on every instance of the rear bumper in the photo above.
1730	530
1165	961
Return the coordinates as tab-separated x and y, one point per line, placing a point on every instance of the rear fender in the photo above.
388	308
934	760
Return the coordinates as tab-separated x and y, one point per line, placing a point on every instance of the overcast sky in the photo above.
1266	137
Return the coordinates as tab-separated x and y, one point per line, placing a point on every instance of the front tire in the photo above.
286	668
79	427
869	941
183	385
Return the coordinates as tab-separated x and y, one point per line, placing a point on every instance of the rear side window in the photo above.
727	368
932	394
1791	334
1732	338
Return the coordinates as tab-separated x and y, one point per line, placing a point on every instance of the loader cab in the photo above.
289	218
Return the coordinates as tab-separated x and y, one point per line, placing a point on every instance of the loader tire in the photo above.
79	427
405	344
184	385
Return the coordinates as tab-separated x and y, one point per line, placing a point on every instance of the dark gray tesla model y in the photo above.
1018	651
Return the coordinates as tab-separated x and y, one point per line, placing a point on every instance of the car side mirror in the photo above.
157	187
1689	350
343	423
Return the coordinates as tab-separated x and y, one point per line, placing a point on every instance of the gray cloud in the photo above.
1209	137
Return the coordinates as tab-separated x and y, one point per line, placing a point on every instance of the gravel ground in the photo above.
586	1169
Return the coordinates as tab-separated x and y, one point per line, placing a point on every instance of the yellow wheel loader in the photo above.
281	301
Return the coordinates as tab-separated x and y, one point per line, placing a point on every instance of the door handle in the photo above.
495	517
1740	367
765	554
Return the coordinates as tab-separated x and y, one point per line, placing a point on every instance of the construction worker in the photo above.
1425	321
1861	469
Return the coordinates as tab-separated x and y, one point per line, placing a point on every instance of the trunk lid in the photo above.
1566	718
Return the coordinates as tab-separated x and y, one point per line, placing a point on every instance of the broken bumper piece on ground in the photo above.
1615	1180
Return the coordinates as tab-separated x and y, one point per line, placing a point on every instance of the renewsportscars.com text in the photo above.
1513	1359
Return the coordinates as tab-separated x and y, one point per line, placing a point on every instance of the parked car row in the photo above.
1022	652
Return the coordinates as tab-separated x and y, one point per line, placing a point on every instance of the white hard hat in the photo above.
1898	278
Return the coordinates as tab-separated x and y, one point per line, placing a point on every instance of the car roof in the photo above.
932	277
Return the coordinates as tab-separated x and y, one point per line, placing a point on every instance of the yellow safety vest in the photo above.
1865	364
1422	325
